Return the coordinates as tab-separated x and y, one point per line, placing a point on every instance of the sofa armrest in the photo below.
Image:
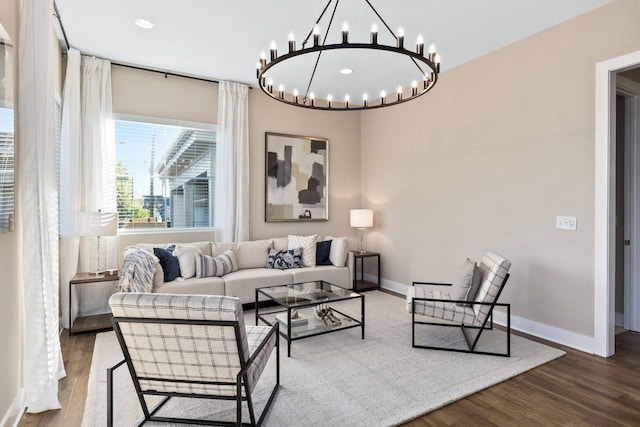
351	264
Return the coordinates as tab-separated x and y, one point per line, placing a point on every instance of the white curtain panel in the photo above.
38	207
70	184
97	170
232	163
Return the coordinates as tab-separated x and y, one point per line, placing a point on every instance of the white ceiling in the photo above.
222	39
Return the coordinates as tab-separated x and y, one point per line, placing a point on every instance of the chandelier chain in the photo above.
315	67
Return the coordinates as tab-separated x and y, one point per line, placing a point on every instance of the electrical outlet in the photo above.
566	223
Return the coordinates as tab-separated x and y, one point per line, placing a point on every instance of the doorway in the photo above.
627	242
604	201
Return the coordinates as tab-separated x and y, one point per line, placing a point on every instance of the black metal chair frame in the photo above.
241	378
471	341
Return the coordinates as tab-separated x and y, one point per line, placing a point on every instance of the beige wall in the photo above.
487	160
11	312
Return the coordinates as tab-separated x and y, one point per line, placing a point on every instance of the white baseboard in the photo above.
14	414
551	333
620	319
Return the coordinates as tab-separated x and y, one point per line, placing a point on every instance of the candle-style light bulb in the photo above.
399	93
346	101
400	38
295	95
258	68
263	59
312	97
281	91
316	35
273	51
374	34
292	42
436	58
383	95
414	88
365	99
425	82
270	85
432	52
345	32
420	45
329	99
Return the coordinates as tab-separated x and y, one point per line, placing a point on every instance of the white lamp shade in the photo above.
98	224
361	218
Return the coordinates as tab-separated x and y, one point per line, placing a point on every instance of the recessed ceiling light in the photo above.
143	23
346	71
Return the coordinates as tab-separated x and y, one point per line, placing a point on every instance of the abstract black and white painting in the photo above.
297	177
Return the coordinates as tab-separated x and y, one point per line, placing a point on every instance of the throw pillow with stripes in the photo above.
209	266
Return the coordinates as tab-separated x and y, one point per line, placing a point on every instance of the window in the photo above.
165	175
7	166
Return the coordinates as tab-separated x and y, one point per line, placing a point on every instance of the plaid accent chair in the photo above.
473	316
194	346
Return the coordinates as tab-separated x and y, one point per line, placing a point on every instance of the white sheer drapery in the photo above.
70	183
232	164
38	207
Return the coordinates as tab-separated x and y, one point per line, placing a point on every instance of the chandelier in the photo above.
427	67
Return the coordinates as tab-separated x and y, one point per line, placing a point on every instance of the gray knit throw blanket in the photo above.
137	271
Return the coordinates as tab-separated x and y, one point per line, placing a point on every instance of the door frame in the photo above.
604	209
631	92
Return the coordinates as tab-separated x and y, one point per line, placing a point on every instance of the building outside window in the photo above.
165	175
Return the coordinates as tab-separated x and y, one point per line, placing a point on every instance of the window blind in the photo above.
165	175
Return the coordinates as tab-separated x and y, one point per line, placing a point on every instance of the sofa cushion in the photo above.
207	266
169	263
283	260
328	273
187	254
252	254
243	283
194	286
308	245
339	250
323	251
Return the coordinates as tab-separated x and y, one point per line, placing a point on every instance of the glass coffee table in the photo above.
303	310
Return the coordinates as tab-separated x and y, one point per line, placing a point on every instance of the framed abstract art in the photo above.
297	178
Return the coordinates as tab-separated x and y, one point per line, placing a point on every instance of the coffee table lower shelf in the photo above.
314	326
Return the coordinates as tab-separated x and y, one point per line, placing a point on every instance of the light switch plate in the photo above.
566	223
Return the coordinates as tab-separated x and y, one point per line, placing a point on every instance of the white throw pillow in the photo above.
339	250
186	255
308	245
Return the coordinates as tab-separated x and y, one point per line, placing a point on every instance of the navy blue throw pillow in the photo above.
168	262
323	249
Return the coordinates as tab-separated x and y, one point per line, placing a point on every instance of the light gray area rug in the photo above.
338	378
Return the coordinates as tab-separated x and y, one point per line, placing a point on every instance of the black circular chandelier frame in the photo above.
428	74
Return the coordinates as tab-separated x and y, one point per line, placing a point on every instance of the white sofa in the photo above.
252	273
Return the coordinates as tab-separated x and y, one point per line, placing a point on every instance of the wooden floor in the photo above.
575	390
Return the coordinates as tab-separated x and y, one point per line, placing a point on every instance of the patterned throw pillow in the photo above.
209	266
308	245
283	260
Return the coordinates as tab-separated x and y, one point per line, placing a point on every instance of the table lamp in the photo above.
361	219
96	225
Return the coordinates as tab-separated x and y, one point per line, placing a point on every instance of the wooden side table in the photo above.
98	322
364	285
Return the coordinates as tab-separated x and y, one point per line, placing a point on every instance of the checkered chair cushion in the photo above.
189	352
440	310
494	269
